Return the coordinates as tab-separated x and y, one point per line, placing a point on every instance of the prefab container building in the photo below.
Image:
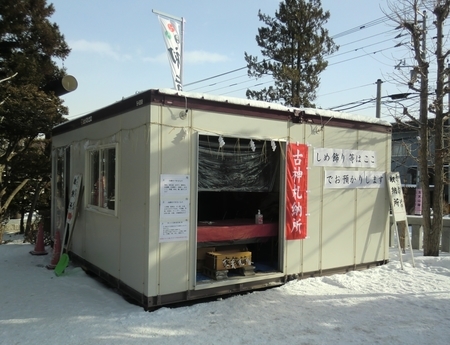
173	181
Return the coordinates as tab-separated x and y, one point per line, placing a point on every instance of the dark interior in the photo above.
236	178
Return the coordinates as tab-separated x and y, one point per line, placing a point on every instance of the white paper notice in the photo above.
174	185
174	208
174	231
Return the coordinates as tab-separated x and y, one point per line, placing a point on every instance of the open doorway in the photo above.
237	179
60	189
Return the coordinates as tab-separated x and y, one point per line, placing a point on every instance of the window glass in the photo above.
94	174
102	165
109	186
400	148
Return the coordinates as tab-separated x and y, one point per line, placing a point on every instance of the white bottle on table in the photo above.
259	218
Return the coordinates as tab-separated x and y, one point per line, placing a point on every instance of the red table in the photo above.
234	230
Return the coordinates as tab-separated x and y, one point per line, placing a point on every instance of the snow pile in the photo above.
383	305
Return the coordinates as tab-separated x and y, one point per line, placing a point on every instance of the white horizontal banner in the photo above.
354	179
344	158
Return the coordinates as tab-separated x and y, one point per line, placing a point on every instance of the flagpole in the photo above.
182	52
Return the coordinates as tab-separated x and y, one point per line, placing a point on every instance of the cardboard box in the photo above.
226	260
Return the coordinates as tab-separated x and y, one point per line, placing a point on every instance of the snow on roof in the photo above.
276	106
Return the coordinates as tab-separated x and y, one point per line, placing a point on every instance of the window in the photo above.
400	149
102	178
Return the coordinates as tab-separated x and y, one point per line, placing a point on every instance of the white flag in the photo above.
172	35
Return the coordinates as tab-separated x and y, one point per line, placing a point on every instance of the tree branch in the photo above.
5	205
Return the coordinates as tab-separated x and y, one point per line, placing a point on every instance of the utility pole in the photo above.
378	107
448	135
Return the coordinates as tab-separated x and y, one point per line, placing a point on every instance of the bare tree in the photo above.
431	117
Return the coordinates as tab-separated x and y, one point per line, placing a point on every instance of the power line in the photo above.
335	63
372	23
332	56
361	48
365	38
245	88
361	27
223	81
352	88
215	76
356	104
347	32
360	56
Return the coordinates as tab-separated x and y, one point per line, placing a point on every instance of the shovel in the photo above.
62	264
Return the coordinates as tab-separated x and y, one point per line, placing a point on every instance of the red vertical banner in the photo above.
296	191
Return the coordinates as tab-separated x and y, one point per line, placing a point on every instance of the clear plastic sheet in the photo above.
235	166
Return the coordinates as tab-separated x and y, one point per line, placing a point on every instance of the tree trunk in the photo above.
431	246
423	154
37	191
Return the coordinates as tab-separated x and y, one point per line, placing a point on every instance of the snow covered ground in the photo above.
382	305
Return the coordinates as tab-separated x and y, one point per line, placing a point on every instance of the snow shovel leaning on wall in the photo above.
72	211
62	265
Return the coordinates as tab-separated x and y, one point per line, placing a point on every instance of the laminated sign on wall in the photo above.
174	208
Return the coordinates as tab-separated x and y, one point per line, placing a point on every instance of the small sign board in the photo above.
71	212
396	196
399	211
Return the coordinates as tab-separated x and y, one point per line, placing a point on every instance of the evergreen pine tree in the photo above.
29	45
294	43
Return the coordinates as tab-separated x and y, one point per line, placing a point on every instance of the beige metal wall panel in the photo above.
282	256
151	285
373	215
105	232
133	206
102	242
339	206
99	241
338	228
173	267
175	159
311	245
238	126
293	256
371	227
114	243
192	252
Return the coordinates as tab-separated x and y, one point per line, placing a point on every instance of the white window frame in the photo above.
92	181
